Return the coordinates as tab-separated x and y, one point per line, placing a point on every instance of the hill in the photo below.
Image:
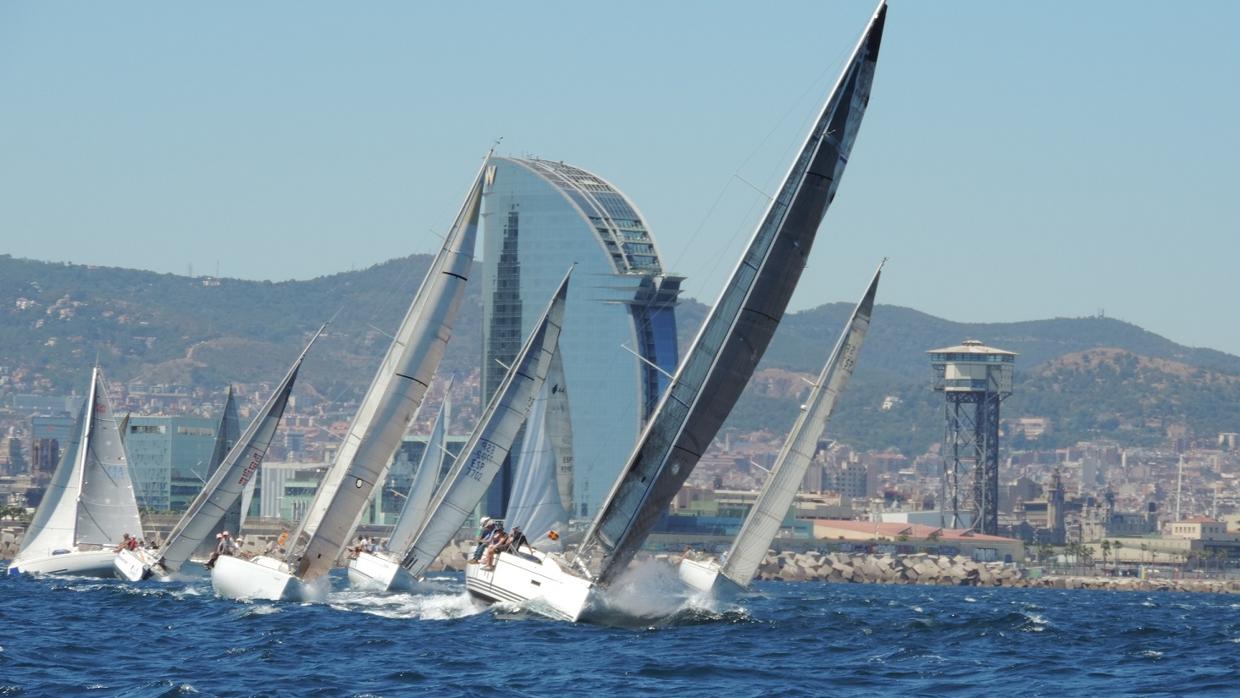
1090	376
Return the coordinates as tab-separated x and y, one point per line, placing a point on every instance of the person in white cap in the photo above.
484	537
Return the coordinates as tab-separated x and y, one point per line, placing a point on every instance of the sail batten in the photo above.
390	404
780	488
239	468
731	341
491	440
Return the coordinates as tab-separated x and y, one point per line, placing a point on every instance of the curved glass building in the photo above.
539	218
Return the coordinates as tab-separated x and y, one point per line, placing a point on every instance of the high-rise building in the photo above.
169	459
538	219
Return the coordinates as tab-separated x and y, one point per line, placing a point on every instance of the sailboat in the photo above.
90	505
220	495
492	439
381	569
712	374
764	519
390	404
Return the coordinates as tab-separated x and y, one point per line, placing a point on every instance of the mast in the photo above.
740	325
781	486
394	397
222	491
491	440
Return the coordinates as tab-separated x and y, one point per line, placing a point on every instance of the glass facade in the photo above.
169	459
538	219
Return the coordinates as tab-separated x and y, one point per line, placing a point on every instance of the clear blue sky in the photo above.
1018	161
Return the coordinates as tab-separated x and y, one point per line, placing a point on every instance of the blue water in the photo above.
101	637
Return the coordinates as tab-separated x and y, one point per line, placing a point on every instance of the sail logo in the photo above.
255	460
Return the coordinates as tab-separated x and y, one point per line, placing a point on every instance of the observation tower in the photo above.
975	378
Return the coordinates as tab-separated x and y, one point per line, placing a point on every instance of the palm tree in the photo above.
1106	548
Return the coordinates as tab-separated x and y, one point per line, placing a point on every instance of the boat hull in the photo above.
134	565
534	579
706	577
376	571
259	578
84	563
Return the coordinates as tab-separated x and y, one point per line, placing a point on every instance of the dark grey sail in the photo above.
227	432
735	335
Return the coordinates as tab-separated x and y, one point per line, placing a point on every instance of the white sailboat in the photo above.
220	495
381	569
713	372
764	519
390	404
89	505
491	440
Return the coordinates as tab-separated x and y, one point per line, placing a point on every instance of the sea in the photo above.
80	636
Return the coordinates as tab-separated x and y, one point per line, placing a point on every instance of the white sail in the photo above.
781	486
534	504
55	520
738	329
239	468
392	400
491	439
418	501
107	505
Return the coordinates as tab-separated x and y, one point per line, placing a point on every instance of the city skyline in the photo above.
1081	165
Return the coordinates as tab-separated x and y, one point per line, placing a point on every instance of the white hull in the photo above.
257	578
534	579
134	565
707	578
371	571
85	563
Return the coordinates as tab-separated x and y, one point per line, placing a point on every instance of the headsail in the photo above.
55	520
393	398
491	440
227	434
535	503
418	501
781	486
560	431
240	466
107	505
736	333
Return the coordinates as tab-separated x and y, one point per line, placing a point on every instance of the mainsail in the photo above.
736	333
491	440
392	399
107	505
560	431
240	466
781	486
54	524
417	502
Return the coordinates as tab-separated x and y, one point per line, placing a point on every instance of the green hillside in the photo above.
1091	376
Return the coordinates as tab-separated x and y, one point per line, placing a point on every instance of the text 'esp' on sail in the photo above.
492	439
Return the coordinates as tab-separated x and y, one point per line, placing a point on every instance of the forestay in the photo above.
736	333
240	467
491	439
781	486
107	506
422	489
393	398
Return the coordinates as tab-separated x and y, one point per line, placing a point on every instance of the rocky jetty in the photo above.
921	568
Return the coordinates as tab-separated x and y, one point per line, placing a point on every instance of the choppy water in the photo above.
72	636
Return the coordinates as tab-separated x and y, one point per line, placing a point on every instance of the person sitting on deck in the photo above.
484	537
124	544
518	539
499	543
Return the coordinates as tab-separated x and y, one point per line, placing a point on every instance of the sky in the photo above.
1018	161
